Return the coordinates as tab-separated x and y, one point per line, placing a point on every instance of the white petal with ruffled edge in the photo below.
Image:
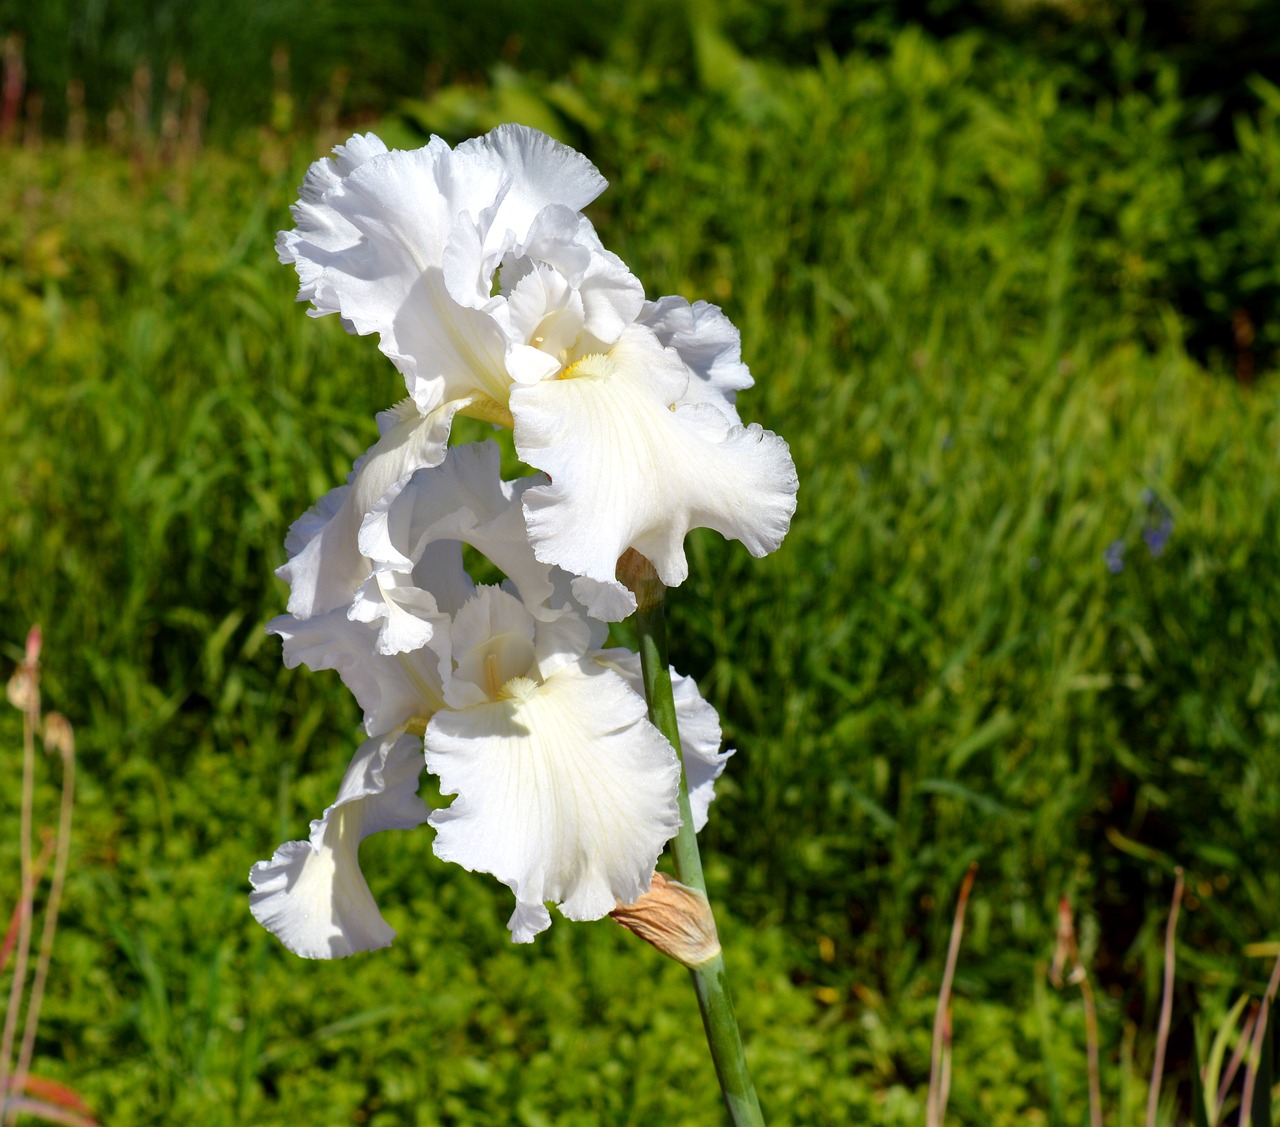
538	172
699	725
326	567
312	895
391	690
463	499
565	791
406	616
329	172
404	244
709	345
371	248
630	468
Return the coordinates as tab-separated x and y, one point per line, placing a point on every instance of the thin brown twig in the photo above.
58	736
42	863
50	1113
1067	952
944	1084
936	1106
1166	1002
1237	1055
1091	1047
24	693
1255	1051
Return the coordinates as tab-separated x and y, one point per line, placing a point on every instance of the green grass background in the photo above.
987	299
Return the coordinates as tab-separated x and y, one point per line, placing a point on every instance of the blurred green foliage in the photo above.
1206	68
957	285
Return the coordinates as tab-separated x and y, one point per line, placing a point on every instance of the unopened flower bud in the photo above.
637	574
34	640
58	735
23	691
675	919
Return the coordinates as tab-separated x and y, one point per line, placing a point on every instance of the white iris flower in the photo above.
564	790
494	297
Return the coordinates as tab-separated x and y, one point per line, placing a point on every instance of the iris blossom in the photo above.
494	297
564	790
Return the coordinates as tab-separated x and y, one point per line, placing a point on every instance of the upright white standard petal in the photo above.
565	793
311	894
631	467
700	736
328	173
370	247
405	245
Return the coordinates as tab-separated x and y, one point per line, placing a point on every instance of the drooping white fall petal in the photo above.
565	792
312	894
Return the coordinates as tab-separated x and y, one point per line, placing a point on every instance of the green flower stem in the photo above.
709	979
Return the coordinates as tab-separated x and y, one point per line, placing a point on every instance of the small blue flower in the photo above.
1157	536
1114	557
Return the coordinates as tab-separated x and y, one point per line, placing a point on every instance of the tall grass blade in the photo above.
1199	1098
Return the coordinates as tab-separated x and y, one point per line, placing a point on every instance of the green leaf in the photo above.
1199	1106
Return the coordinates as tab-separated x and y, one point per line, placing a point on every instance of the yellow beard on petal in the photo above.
598	365
490	410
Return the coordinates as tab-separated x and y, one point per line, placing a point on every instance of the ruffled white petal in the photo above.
565	793
699	725
709	345
527	921
630	468
407	616
312	894
391	690
371	246
326	566
329	172
612	296
463	499
605	599
537	171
